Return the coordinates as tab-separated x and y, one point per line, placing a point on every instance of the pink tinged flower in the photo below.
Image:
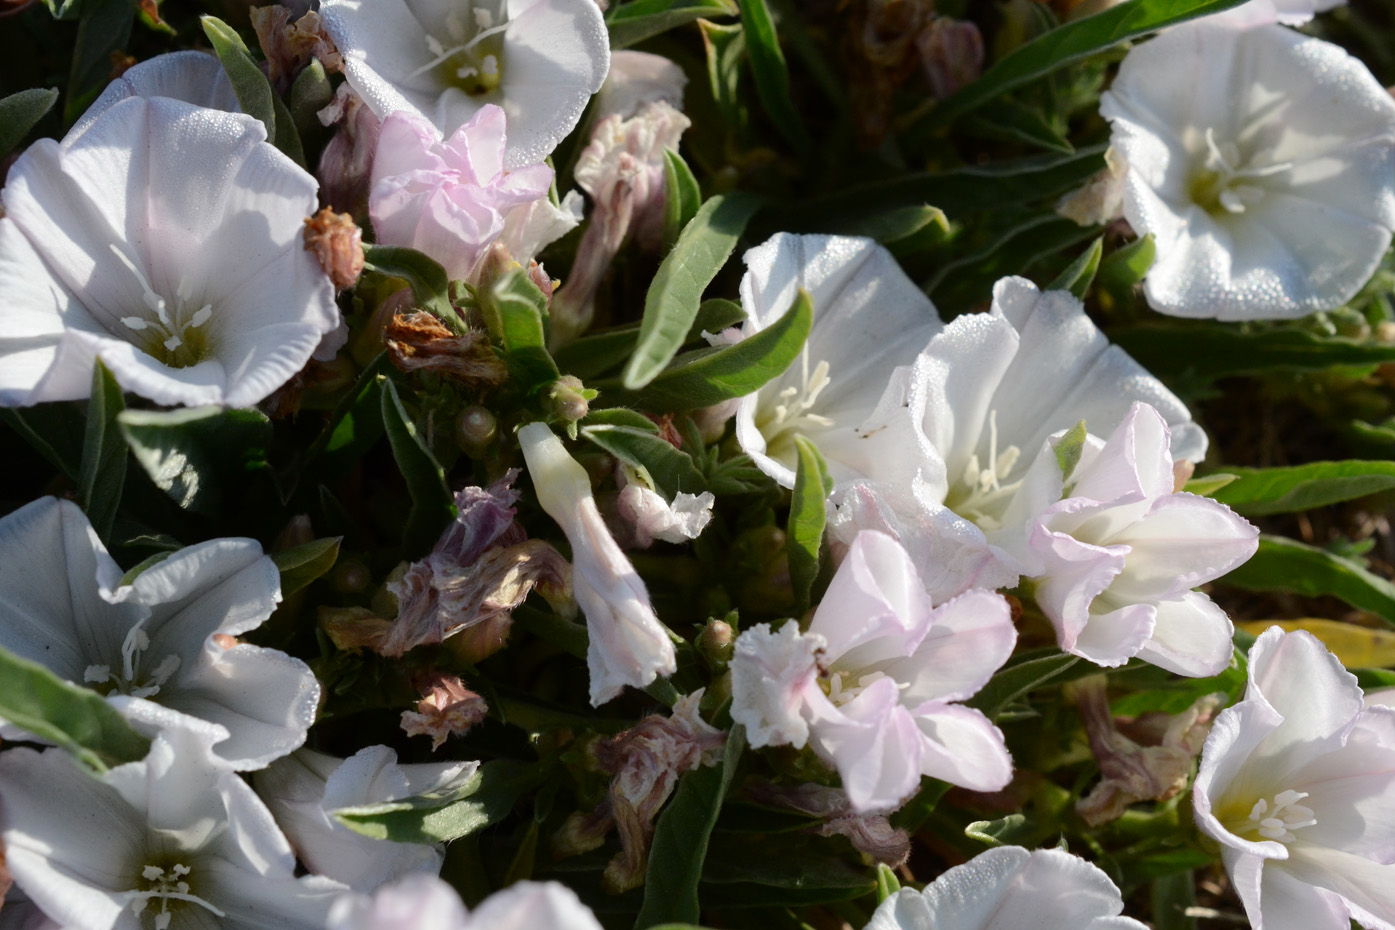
628	645
651	518
171	841
1297	784
448	199
305	790
425	902
447	709
163	649
1267	178
1009	888
445	60
192	286
844	392
874	684
1116	561
193	77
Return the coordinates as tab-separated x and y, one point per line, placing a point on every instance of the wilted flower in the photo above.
171	837
419	341
337	243
627	644
290	46
445	60
449	199
870	833
305	789
447	708
873	685
346	164
1009	888
164	647
1267	180
1297	784
194	289
1116	561
424	902
651	517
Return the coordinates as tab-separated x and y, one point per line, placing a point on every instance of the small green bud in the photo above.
475	429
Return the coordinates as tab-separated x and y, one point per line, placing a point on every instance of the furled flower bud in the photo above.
951	52
447	708
568	399
337	242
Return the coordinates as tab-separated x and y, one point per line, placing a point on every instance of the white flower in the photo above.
304	789
1288	12
191	284
1267	177
424	902
541	60
164	647
168	842
628	645
1009	888
651	517
1118	558
636	78
1297	784
869	320
194	77
874	684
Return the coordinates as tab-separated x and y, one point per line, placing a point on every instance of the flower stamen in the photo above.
1286	815
167	886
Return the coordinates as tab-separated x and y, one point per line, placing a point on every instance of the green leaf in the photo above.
1068	449
302	564
103	453
1171	896
425	276
680	840
311	93
1005	831
104	27
1017	122
1081	273
887	882
20	112
1126	266
725	50
64	9
1030	671
598	352
486	798
250	85
1283	564
631	23
78	720
1208	351
676	292
196	454
514	309
900	223
772	74
1262	491
1070	43
710	376
55	431
354	426
621	416
804	540
682	196
432	504
672	469
1207	485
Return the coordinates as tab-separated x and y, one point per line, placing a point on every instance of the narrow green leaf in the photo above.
1171	896
1016	122
804	539
1081	273
514	309
1069	43
710	376
682	196
1262	491
887	882
1208	350
681	837
1030	671
672	469
302	564
1207	485
1283	564
198	455
1128	265
1068	449
311	93
78	720
432	503
632	23
20	112
103	453
104	27
676	292
772	74
487	798
1005	831
354	426
427	279
47	438
621	416
725	50
253	90
900	223
598	352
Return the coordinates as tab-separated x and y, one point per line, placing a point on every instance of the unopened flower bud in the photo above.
568	399
715	642
351	577
337	242
475	429
951	52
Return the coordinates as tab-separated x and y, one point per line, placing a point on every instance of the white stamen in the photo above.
1225	160
981	490
96	674
1286	816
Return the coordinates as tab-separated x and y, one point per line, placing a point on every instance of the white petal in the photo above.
417	902
771	672
875	745
1183	541
875	607
1191	636
194	77
531	905
1295	675
969	639
1287	903
962	747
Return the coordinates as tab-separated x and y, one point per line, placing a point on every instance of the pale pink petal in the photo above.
962	747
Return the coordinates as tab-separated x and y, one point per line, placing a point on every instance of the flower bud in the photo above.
951	52
567	399
475	429
716	642
337	242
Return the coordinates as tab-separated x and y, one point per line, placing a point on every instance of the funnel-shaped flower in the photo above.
444	60
628	645
873	685
165	239
424	902
1263	163
194	77
1297	784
